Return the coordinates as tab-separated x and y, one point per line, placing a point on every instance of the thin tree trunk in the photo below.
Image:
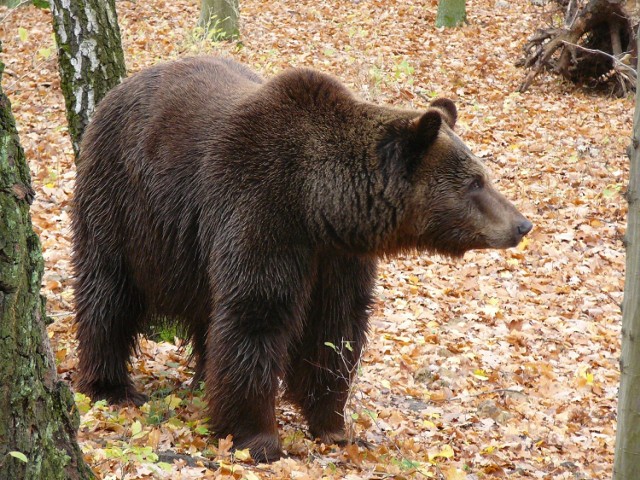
451	13
627	454
219	19
90	57
37	415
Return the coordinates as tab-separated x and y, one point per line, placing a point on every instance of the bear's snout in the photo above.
524	228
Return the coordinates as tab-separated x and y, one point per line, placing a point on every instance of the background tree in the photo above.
627	456
451	13
90	57
38	419
219	18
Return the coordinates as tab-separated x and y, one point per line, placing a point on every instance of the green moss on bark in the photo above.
37	415
451	13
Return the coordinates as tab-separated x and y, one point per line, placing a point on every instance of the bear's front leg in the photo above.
319	376
246	351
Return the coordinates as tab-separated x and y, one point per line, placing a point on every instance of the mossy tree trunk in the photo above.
90	57
451	13
219	19
37	415
627	453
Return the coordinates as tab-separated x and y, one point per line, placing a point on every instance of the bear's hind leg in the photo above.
109	314
319	376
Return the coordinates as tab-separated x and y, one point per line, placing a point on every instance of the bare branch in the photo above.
616	60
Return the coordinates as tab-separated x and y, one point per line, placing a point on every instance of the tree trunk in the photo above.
627	453
451	13
37	415
219	19
90	57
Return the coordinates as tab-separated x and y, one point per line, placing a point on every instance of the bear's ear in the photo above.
406	141
424	130
448	109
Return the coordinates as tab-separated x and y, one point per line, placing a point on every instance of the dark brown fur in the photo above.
254	211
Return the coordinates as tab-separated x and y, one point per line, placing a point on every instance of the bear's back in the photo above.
160	121
137	184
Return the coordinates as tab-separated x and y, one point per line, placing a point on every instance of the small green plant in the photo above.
612	190
165	333
404	72
362	415
406	464
214	31
161	409
132	453
375	73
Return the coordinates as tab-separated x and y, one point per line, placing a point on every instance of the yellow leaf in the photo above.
480	374
173	401
428	424
242	455
228	468
45	53
136	429
585	377
488	450
445	452
523	244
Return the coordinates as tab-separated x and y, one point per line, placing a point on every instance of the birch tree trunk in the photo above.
38	418
627	454
219	19
451	13
90	57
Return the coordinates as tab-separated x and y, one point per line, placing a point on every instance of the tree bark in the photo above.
451	13
627	453
38	417
90	57
219	19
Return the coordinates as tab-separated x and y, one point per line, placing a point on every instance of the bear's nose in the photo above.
525	227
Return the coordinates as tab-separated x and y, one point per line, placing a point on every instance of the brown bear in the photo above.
254	212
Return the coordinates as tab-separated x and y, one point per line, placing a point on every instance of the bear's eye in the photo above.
476	184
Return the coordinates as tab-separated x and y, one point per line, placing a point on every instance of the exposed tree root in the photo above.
595	47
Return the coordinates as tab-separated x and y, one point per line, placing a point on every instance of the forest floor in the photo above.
501	365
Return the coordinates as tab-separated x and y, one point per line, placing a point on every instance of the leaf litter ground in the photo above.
502	365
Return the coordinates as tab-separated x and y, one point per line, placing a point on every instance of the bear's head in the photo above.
452	205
